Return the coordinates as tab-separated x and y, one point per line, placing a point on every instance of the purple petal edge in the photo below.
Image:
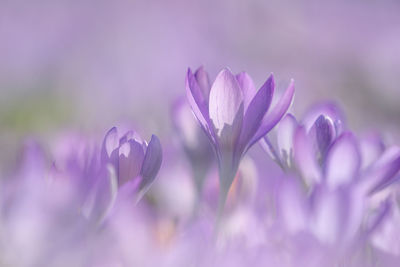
258	106
273	117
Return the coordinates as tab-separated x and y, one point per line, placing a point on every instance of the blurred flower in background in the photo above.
320	189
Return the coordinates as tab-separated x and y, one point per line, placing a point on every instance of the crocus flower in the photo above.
310	138
315	147
132	159
98	176
339	174
234	115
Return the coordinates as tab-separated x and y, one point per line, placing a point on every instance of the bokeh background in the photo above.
86	64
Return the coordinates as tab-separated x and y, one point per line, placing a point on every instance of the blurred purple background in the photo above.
89	64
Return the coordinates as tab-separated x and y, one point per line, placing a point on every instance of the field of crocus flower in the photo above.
199	133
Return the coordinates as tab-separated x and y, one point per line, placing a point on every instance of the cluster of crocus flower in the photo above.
52	206
327	198
333	178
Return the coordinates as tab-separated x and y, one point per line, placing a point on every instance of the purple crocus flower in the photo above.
132	158
234	115
338	171
98	178
310	138
321	149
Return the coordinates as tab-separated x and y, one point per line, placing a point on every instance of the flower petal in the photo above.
386	235
328	109
371	148
197	102
229	136
185	124
131	157
151	162
249	90
101	199
110	143
110	147
384	170
108	199
204	83
327	215
342	161
267	146
292	205
377	218
127	136
274	116
226	97
337	214
285	138
256	111
322	133
304	155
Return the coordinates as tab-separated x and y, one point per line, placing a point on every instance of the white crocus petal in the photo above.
226	98
285	136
